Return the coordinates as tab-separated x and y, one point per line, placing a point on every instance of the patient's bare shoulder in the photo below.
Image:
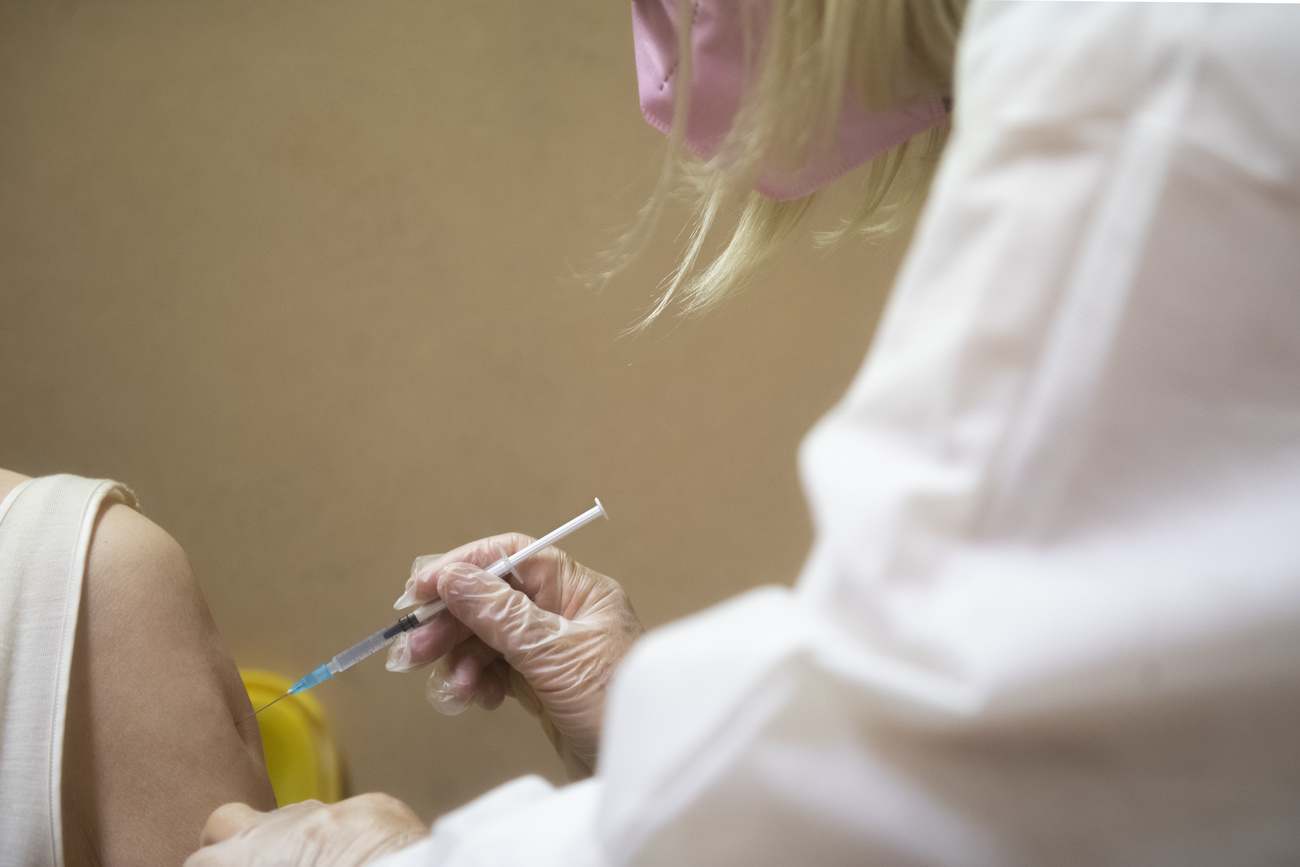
141	561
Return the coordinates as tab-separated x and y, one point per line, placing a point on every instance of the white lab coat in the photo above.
1052	614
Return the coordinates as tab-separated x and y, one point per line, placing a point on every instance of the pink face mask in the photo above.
718	60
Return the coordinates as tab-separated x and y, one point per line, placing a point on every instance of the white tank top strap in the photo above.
46	525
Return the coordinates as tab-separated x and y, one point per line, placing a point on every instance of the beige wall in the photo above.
293	270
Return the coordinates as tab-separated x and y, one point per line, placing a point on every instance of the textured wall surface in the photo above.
297	272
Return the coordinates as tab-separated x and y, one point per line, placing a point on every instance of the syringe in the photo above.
501	568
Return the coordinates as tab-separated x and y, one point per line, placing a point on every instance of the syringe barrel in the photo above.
361	650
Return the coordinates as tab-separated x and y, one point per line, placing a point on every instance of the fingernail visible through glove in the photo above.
419	566
399	654
438	690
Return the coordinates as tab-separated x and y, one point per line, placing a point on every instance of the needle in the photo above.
260	709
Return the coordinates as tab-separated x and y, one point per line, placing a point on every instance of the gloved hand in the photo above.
347	834
553	643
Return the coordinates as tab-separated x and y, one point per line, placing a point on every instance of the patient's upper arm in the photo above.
151	746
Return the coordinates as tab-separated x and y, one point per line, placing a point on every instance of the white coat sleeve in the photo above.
1052	614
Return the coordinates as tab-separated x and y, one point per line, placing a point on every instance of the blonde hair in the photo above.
889	50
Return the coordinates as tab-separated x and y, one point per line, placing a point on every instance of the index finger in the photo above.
537	573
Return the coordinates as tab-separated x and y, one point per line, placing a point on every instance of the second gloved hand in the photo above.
553	642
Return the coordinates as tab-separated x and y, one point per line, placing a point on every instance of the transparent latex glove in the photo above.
552	642
347	834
